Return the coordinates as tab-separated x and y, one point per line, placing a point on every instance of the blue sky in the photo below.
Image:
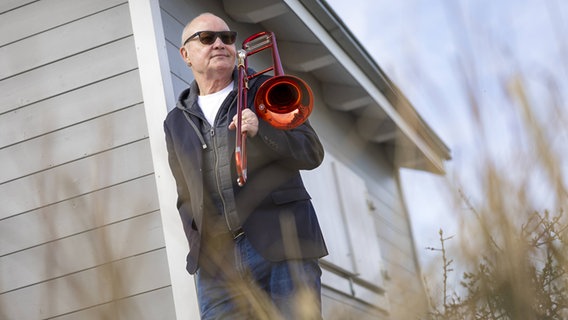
431	48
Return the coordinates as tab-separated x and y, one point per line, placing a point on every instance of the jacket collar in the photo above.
187	100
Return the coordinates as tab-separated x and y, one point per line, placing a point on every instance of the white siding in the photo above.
400	277
81	235
354	266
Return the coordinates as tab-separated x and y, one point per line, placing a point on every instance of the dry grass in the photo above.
512	244
509	257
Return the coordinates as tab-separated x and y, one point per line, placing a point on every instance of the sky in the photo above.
438	51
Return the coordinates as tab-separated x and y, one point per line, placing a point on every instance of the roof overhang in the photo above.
314	40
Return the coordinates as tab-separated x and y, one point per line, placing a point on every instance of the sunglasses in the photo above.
208	37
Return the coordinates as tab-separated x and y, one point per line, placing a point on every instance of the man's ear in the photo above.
184	55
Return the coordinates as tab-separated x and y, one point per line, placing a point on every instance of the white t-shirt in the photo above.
211	103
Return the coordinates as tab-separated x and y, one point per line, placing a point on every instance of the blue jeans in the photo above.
248	286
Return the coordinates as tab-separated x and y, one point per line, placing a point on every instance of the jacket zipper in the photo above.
218	178
204	146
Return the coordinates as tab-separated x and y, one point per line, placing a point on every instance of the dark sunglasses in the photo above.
208	37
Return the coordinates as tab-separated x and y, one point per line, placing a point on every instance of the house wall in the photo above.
83	229
80	228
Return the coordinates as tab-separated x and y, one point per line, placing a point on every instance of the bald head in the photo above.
203	22
212	63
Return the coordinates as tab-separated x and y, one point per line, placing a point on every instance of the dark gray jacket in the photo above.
274	194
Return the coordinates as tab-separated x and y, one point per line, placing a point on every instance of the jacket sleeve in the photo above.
298	148
183	198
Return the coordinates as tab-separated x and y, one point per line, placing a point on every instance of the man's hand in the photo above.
249	123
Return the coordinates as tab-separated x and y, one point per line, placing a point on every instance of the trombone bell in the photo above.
284	101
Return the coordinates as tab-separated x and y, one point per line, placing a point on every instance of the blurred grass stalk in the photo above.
510	254
512	245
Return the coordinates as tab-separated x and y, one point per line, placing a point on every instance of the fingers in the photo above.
249	123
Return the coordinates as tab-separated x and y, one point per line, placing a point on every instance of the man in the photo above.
254	249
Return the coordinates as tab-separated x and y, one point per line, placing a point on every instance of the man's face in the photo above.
213	60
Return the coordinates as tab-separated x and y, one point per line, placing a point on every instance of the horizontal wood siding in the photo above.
60	111
133	307
108	202
81	235
8	5
172	30
129	278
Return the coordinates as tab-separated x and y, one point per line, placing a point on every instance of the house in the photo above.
88	224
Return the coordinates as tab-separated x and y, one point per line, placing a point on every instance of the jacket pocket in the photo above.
290	195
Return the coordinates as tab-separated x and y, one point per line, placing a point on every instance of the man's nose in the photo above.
218	42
